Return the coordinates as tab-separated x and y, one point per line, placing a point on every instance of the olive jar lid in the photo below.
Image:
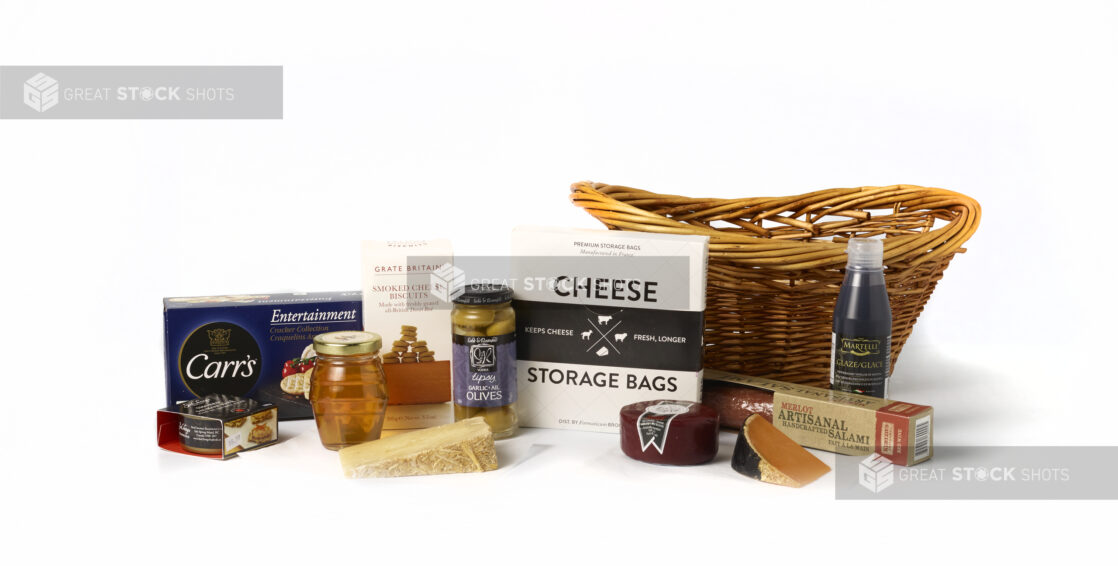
484	294
347	343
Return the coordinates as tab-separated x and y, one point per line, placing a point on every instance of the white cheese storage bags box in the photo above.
605	319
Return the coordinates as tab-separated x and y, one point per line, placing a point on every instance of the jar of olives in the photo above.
484	357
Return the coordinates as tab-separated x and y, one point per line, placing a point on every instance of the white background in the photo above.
461	120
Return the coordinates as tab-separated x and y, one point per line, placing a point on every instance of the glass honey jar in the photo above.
348	391
484	357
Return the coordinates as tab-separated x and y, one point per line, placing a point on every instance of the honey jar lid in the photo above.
347	343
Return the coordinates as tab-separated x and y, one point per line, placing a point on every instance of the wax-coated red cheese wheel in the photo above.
679	433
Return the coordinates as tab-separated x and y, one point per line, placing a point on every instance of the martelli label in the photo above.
860	364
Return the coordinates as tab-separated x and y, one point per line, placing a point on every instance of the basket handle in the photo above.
626	208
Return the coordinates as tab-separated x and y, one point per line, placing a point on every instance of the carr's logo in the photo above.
483	358
219	337
448	282
875	473
219	358
40	92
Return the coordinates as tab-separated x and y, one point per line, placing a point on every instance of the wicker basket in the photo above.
776	264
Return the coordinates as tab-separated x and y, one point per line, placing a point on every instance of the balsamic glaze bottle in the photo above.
863	323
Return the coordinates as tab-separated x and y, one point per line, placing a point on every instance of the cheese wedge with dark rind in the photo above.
763	452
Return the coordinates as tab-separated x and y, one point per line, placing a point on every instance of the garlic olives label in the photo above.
484	370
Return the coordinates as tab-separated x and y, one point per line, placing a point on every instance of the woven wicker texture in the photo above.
776	263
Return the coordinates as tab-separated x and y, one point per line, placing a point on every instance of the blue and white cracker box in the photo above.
605	319
256	346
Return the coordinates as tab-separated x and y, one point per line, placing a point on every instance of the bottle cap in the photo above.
864	253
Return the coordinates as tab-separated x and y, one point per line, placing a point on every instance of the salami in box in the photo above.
255	346
605	319
836	421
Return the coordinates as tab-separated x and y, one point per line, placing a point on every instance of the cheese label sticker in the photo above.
652	425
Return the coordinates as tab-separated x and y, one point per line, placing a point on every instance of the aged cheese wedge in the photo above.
464	446
765	453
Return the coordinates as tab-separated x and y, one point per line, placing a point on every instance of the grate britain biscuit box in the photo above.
256	346
404	286
605	319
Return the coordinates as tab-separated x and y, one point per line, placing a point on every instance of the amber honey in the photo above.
348	391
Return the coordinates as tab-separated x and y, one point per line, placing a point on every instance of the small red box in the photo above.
216	427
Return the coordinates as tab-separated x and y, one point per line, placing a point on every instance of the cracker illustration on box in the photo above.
261	433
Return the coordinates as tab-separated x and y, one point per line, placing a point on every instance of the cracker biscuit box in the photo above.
605	319
256	346
404	286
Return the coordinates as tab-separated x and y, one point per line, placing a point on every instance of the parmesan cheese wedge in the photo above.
464	446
